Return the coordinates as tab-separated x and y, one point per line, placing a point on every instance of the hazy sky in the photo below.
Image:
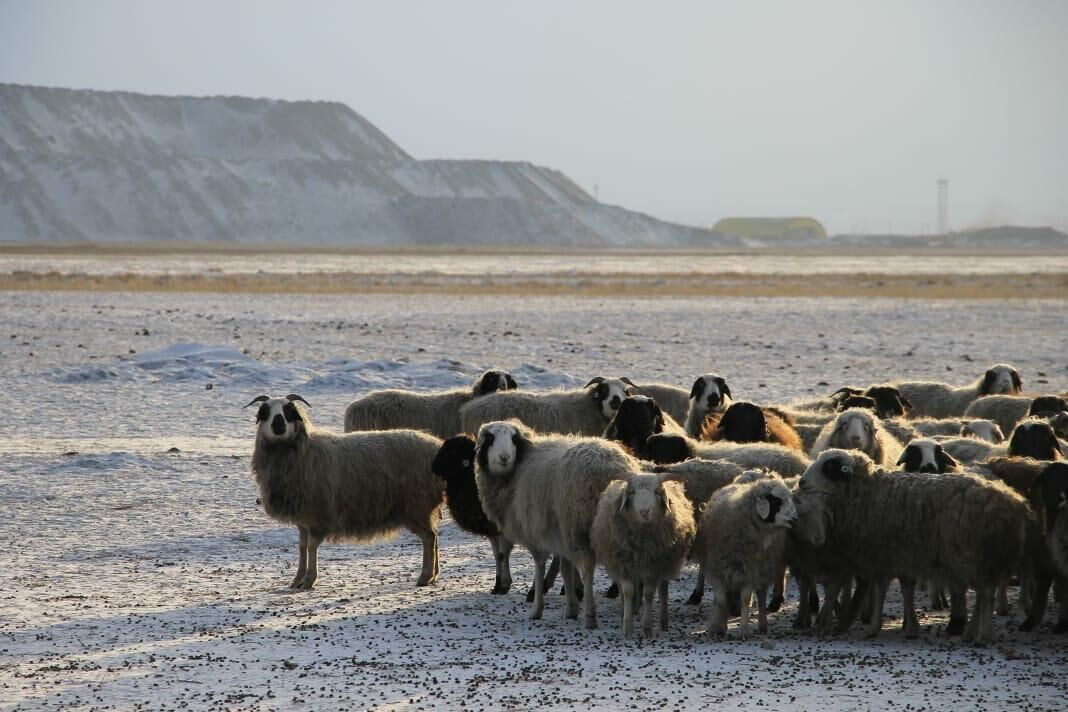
690	111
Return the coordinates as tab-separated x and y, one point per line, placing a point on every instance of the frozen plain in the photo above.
142	578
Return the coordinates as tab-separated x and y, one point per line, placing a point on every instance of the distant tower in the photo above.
943	206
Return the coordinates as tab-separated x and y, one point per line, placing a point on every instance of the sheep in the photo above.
642	532
437	413
1049	495
1047	405
925	455
905	430
359	486
1035	438
982	429
455	464
1057	421
885	400
637	419
542	492
742	538
858	429
747	423
674	400
941	400
665	448
968	451
912	525
584	411
709	393
1005	410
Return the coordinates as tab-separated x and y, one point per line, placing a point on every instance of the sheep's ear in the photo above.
658	418
946	461
988	382
595	379
1017	383
763	508
724	389
511	385
906	403
258	399
904	454
698	388
624	497
599	393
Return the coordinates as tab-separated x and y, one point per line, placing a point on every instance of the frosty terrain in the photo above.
142	576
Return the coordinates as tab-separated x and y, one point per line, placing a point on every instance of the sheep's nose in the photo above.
278	424
713	401
856	439
927	468
614	402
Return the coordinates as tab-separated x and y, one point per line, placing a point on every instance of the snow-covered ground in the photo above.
144	577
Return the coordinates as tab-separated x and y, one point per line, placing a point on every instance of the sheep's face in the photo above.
493	381
831	470
813	519
1059	423
1047	405
986	430
664	449
709	392
855	429
637	418
455	461
773	504
1001	378
644	498
498	448
609	394
927	456
744	423
279	419
889	403
1034	438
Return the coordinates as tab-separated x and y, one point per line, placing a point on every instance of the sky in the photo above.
690	111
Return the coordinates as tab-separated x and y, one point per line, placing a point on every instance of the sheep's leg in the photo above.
539	591
612	591
958	610
972	629
1039	599
587	565
648	592
302	560
717	618
429	573
567	571
744	599
849	612
698	588
936	596
981	626
909	622
502	553
312	572
627	587
1002	596
878	597
550	578
664	605
824	618
1027	590
803	619
1062	616
778	591
762	613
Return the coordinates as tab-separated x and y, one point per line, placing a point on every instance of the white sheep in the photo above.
437	413
742	539
709	392
859	429
358	486
941	400
542	492
584	411
674	400
643	530
1005	410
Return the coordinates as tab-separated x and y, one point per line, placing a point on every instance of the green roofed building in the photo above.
800	228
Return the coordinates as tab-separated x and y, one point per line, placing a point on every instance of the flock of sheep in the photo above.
913	481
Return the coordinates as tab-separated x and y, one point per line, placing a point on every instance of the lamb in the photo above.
941	400
1049	494
542	492
966	530
584	411
742	539
437	413
709	393
745	422
357	486
858	429
455	464
642	532
674	400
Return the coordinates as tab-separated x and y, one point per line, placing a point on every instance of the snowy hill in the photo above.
116	166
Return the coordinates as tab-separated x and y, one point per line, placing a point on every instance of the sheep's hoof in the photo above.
591	623
305	583
1061	627
695	598
571	614
775	603
426	580
613	591
955	626
535	615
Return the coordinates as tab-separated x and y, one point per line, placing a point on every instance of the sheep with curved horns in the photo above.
742	539
642	532
1049	495
941	400
437	413
709	393
542	492
744	422
455	464
967	530
858	429
358	486
665	448
584	411
674	400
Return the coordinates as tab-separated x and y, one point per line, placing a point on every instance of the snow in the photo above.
140	575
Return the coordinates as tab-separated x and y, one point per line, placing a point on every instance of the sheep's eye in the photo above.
467	463
263	412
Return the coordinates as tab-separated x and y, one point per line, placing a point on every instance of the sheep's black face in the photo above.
1047	405
1034	439
889	403
638	417
665	449
744	423
493	381
455	460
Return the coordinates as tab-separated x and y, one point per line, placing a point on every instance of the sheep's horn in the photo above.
258	399
595	379
627	381
295	397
